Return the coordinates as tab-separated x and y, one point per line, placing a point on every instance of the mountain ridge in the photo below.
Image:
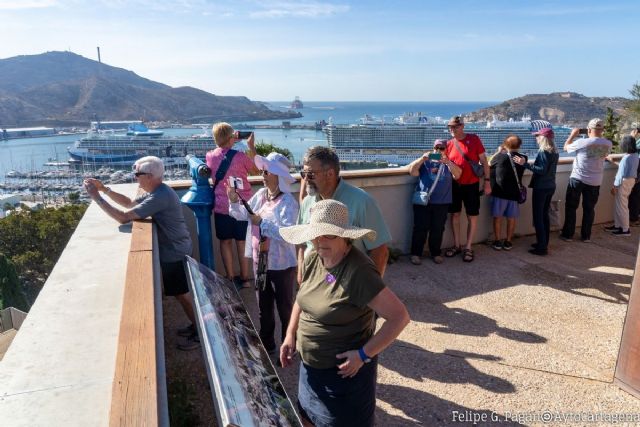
62	88
568	108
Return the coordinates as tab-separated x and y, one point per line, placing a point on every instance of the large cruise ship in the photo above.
405	138
108	147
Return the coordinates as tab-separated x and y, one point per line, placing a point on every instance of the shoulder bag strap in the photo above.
435	181
224	167
455	142
515	172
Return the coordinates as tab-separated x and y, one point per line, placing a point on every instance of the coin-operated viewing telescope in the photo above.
200	200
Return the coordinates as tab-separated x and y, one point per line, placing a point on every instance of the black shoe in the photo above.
192	343
187	331
538	252
534	245
497	245
507	245
611	228
620	232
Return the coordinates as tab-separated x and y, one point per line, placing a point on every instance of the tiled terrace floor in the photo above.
510	333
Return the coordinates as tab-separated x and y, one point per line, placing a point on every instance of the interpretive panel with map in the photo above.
246	389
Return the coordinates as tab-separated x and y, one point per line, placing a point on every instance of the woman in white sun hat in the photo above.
332	323
272	207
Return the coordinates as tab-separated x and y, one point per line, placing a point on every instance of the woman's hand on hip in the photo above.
287	351
350	367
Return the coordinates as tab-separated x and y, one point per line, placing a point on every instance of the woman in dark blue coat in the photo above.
543	184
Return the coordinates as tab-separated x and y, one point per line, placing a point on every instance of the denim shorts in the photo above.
326	399
504	208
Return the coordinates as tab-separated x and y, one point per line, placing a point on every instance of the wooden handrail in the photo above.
134	400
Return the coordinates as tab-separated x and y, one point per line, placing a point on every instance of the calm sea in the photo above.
30	154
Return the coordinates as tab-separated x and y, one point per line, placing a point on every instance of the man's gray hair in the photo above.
150	164
325	155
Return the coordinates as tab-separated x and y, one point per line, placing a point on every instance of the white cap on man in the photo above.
596	124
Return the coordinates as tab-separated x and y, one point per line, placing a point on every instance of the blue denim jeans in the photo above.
328	400
589	194
540	204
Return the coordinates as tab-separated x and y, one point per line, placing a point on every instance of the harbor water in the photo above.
29	155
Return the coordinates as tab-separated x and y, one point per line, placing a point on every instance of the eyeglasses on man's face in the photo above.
308	174
139	174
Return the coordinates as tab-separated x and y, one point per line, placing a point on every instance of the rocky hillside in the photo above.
62	88
558	108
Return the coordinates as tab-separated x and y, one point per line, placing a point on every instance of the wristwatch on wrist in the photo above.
107	190
363	355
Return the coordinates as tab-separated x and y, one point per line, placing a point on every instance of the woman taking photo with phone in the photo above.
271	208
226	162
431	200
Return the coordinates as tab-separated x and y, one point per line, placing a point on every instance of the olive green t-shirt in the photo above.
335	316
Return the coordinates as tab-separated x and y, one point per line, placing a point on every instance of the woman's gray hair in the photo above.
546	144
150	164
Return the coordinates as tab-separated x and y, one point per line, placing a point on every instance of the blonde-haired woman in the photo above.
543	184
225	162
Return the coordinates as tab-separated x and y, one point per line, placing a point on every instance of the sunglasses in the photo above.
139	174
439	148
265	172
307	174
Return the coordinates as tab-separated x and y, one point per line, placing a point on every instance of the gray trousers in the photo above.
621	215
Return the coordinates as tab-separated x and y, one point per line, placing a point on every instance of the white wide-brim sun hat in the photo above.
279	165
328	217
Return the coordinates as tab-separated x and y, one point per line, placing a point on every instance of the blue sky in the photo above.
345	50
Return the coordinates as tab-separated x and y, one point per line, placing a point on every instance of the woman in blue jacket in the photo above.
543	184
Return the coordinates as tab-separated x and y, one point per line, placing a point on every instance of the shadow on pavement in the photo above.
459	321
449	367
420	408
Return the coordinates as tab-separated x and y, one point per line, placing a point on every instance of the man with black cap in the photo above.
466	151
585	179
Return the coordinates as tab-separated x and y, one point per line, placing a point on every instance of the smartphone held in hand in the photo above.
435	156
235	182
241	134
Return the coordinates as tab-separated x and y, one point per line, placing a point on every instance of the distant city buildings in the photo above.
8	133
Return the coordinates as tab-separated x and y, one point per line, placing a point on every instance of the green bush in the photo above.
34	240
